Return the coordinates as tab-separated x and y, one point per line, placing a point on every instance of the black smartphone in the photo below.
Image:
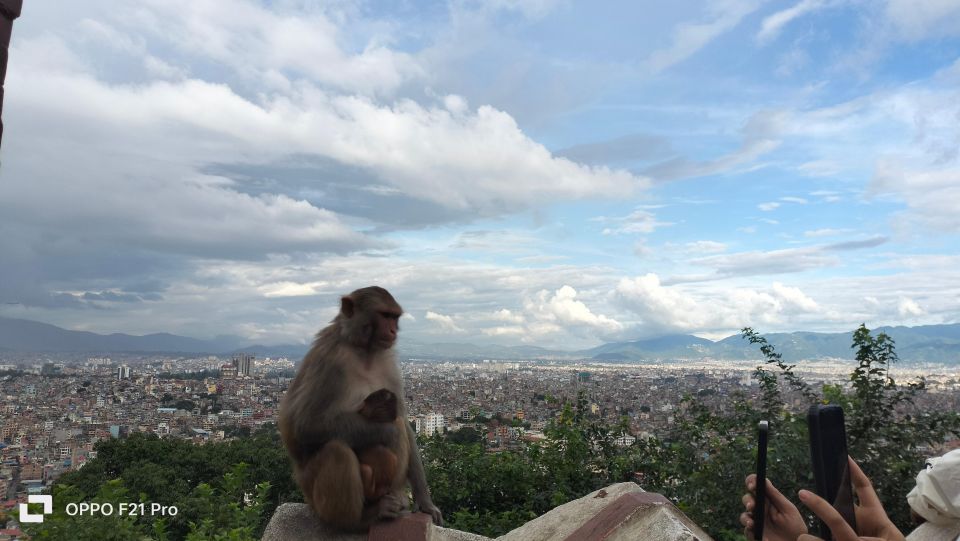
760	492
828	457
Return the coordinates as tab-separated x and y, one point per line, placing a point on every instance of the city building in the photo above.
243	363
431	424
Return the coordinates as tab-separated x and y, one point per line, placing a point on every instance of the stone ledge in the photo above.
296	522
619	512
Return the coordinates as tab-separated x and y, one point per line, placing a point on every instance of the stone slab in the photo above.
297	522
620	512
616	516
560	522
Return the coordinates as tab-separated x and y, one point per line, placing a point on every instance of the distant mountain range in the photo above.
33	336
929	343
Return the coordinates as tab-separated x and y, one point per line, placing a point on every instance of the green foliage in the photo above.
231	515
232	512
171	471
465	435
493	493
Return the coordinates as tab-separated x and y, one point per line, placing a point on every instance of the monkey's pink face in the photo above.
387	327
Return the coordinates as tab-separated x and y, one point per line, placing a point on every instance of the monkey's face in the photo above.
369	318
386	325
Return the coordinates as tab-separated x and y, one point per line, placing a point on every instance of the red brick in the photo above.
413	527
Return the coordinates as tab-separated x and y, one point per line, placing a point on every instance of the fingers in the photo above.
776	499
808	537
863	486
820	507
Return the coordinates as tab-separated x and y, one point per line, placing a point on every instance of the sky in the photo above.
543	172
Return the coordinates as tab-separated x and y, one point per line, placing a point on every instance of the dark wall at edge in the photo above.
9	10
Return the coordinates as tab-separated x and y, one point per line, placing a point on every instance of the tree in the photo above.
232	512
168	471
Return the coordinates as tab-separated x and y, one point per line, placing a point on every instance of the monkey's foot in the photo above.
392	506
369	482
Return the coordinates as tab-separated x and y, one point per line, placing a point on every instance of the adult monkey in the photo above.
344	423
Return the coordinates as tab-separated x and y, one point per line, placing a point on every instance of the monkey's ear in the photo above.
346	306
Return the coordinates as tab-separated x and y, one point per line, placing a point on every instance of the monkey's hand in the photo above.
425	505
380	407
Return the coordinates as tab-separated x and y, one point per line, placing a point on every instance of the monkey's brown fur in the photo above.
346	402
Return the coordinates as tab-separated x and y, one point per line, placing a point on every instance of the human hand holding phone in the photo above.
782	521
872	520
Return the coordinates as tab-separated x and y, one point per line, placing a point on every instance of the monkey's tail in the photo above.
332	486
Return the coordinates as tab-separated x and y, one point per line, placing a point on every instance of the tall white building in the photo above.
431	424
123	372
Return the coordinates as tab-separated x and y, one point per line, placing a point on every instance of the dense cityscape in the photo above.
56	408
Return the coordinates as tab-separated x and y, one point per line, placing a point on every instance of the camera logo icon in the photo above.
45	499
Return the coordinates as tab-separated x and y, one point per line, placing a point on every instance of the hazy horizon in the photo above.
535	172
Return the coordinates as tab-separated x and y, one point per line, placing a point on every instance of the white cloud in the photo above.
671	308
637	222
825	232
561	309
794	297
908	136
767	207
705	247
924	19
506	315
690	37
640	249
446	323
532	9
289	289
159	135
773	24
515	331
257	42
797	200
662	307
909	308
759	135
770	262
820	168
931	195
